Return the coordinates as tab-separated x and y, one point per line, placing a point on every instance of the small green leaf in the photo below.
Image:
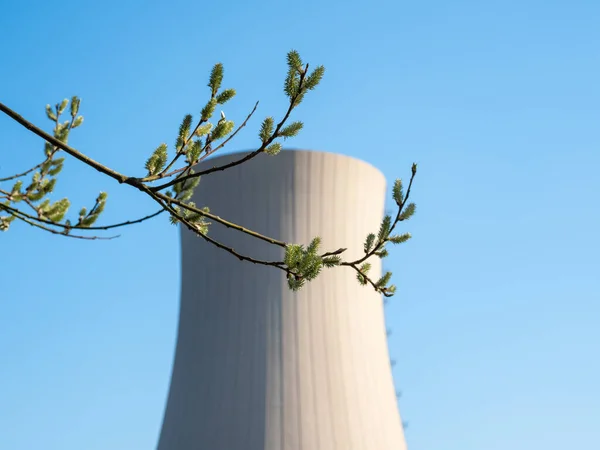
209	109
45	167
57	165
313	247
399	239
5	221
293	255
194	151
204	129
50	113
185	195
35	196
291	84
291	130
398	192
172	218
43	207
294	61
266	129
99	208
382	253
385	227
313	80
58	210
295	284
362	274
365	267
384	280
313	270
216	78
16	187
179	143
89	220
48	185
61	132
298	99
75	101
225	96
185	189
184	128
48	149
369	243
273	149
223	128
202	226
408	212
361	278
332	261
77	122
63	105
157	161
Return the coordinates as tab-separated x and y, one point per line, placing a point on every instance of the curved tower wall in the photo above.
258	367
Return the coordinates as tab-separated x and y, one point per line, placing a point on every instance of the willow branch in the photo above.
69	150
166	201
380	243
127	180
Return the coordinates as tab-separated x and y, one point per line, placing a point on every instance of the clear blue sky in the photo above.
496	327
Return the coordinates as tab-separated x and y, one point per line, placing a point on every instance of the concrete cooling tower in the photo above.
258	367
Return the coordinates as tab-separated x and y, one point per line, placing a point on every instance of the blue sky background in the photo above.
496	324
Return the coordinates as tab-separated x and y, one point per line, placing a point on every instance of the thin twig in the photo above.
339	251
79	227
19	175
128	222
23	217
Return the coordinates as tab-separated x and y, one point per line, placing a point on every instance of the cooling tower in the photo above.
258	367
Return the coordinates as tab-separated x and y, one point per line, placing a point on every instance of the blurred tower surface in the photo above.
258	367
